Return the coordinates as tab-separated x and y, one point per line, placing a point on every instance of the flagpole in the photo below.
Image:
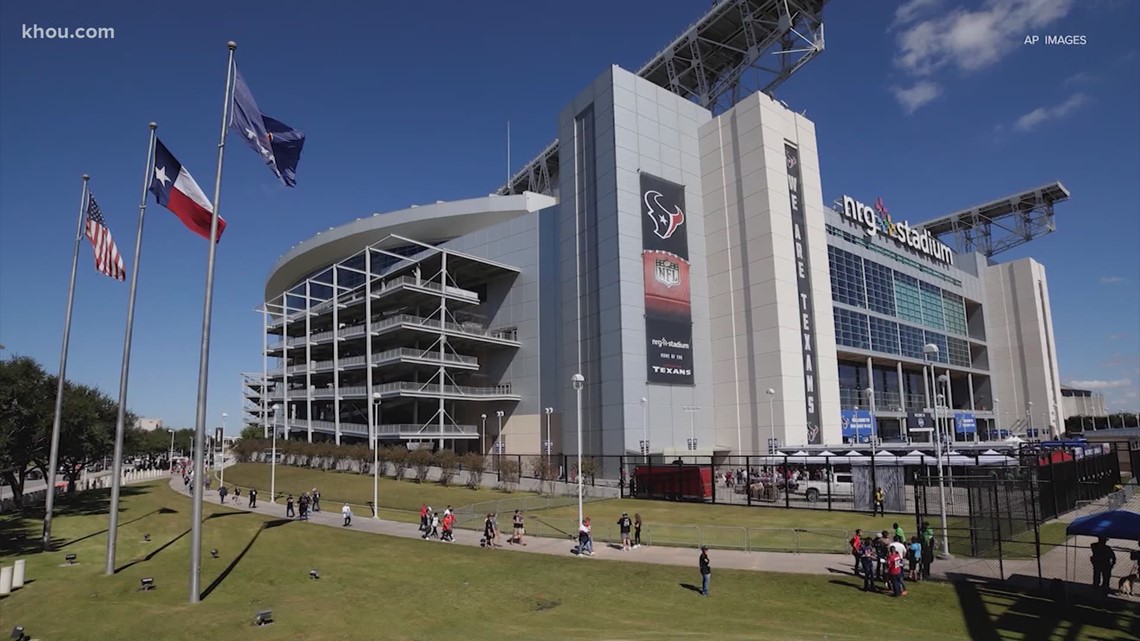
204	358
53	458
117	465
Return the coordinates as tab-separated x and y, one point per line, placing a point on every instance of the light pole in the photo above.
997	418
499	444
871	402
948	400
546	440
645	428
577	381
1029	420
376	455
222	447
276	411
772	421
691	410
930	351
483	436
170	460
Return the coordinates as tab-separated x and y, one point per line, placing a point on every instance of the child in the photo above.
895	572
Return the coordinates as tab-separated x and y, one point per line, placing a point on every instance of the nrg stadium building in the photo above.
677	248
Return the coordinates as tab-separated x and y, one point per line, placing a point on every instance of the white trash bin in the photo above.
5	581
18	574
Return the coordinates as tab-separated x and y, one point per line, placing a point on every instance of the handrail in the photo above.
385	286
468	329
504	389
398	352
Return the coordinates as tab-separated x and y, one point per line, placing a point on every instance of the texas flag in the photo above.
174	188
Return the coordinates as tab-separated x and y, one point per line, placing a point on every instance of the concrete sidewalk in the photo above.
819	564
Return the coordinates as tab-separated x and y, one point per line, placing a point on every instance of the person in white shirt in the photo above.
346	512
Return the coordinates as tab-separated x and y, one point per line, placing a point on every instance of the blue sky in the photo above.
931	105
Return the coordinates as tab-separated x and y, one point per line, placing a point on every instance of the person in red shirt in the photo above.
448	522
895	572
857	549
423	517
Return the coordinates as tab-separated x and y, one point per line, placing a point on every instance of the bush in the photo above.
421	461
448	462
508	469
546	471
475	464
398	456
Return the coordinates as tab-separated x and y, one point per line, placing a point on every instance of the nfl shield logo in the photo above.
667	272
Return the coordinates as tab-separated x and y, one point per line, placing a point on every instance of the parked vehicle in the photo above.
841	487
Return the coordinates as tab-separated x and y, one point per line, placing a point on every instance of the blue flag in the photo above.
278	144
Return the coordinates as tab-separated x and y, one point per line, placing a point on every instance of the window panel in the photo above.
851	329
931	306
954	310
846	277
880	288
959	351
940	341
884	336
911	341
908	301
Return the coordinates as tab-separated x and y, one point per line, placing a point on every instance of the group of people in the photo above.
888	557
300	507
431	523
630	529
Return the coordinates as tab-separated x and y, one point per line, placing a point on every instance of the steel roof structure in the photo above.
1001	224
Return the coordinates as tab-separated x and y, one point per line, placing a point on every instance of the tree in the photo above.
508	469
475	464
421	461
252	432
26	413
87	430
546	471
448	462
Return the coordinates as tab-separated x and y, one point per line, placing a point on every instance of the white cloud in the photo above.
1041	115
1112	280
912	98
972	40
1102	385
908	12
1079	78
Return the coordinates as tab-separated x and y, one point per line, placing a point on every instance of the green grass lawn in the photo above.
374	587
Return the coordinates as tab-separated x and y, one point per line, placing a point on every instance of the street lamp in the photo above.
276	411
948	401
577	381
997	417
930	352
772	421
483	436
376	455
171	459
645	428
222	447
871	402
546	441
692	409
1029	420
499	435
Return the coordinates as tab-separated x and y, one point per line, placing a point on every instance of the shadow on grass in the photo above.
153	553
1058	610
690	586
163	510
20	532
248	546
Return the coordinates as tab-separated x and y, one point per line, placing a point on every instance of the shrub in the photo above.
421	461
398	456
448	462
508	469
546	471
475	464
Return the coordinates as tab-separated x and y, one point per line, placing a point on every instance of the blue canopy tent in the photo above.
1114	524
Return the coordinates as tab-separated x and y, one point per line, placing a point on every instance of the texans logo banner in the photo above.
665	267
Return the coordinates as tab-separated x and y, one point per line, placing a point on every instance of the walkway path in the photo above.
819	564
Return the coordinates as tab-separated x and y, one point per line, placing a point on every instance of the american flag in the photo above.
107	258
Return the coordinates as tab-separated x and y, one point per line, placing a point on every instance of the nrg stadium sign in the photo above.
876	220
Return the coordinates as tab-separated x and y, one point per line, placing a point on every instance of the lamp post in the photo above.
930	352
997	417
691	410
170	460
483	436
546	439
645	428
276	410
577	381
376	455
871	402
499	444
771	421
1029	420
222	447
948	400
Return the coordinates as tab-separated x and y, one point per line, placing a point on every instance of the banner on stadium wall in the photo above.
858	425
965	423
919	421
665	267
806	316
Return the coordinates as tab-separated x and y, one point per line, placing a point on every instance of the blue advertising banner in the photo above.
965	423
858	424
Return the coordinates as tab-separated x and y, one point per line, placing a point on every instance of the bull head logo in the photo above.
665	224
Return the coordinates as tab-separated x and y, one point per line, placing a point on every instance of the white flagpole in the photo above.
53	458
117	465
204	359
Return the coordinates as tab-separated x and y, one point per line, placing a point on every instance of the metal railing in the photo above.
465	329
385	287
428	356
430	430
433	390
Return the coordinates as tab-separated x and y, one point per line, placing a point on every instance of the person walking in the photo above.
880	499
1103	559
585	547
237	494
222	495
488	533
867	558
346	512
857	550
316	498
637	530
289	513
914	556
624	525
434	533
706	570
424	509
901	536
518	522
303	506
252	497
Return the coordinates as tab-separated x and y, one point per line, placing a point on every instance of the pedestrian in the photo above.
303	506
878	508
899	532
927	558
434	533
237	494
914	556
857	550
637	530
895	571
494	526
520	530
448	524
867	557
252	497
1103	559
706	570
346	512
880	544
222	495
585	545
289	513
316	500
624	525
488	533
424	509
